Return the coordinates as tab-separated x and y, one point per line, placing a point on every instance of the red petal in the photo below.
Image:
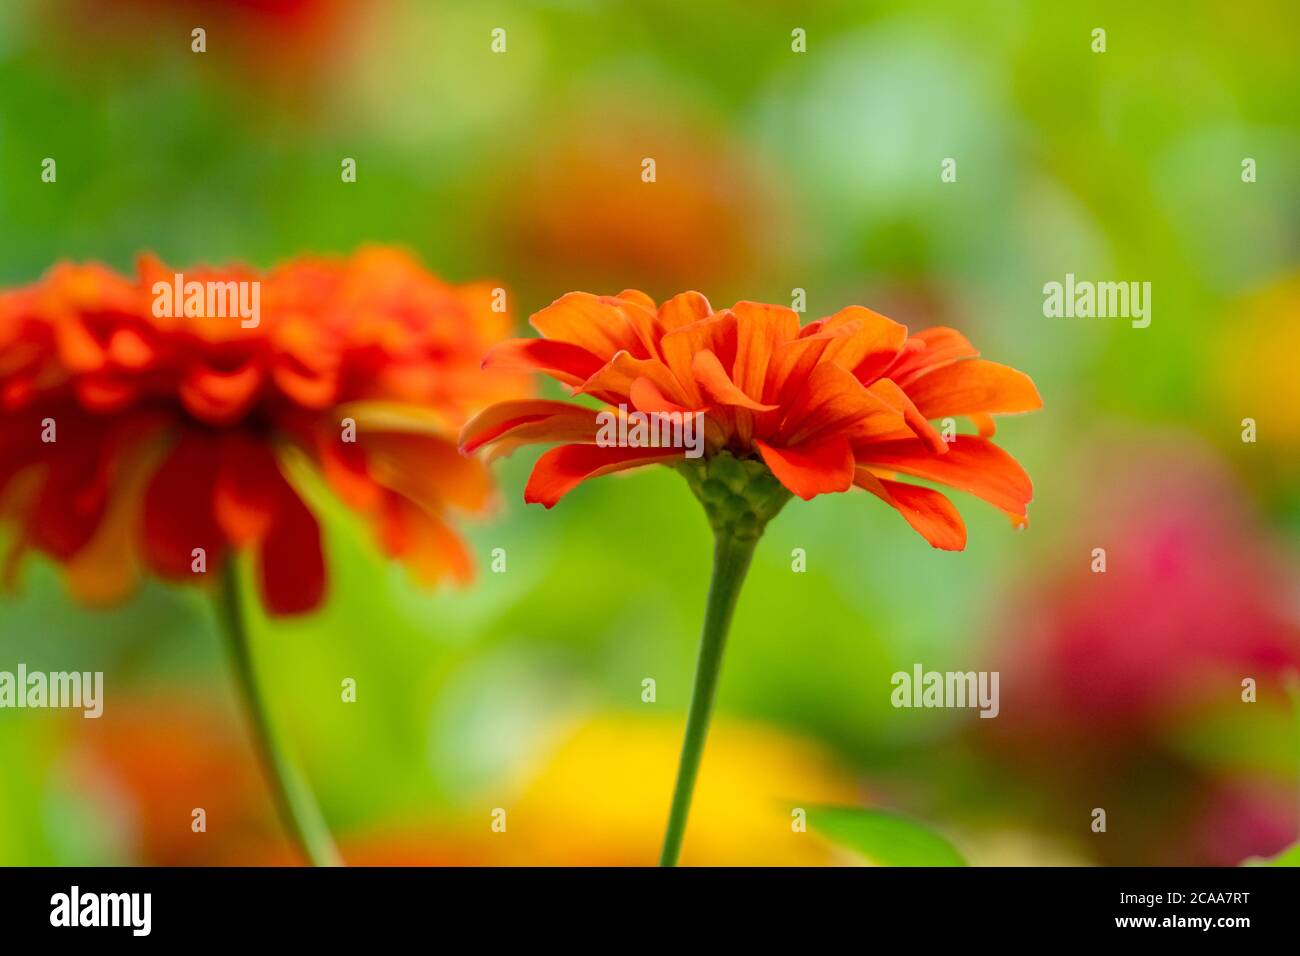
291	563
178	509
247	488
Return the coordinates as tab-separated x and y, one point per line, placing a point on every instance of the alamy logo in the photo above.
624	429
134	910
923	688
1103	300
79	690
211	300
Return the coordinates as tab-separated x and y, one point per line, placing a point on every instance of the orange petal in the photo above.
972	464
220	398
562	420
834	401
562	469
646	397
929	512
871	345
427	469
309	387
929	349
717	333
984	424
345	469
78	347
423	542
977	385
613	382
598	324
887	391
564	361
760	328
637	297
812	468
683	309
793	361
713	379
129	349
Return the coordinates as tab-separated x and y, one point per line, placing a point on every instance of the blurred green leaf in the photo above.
884	838
1288	857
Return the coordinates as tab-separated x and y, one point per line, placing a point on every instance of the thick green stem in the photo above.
297	807
731	557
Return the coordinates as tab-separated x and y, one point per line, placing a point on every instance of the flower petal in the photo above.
834	401
646	397
977	385
972	464
427	469
613	382
247	488
290	562
546	421
887	391
562	469
929	349
220	397
563	361
423	542
929	512
870	346
812	468
760	329
717	333
178	512
598	324
713	379
683	309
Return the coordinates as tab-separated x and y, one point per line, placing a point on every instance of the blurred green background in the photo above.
776	170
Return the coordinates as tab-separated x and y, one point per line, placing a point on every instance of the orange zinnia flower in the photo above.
131	439
146	424
783	411
846	400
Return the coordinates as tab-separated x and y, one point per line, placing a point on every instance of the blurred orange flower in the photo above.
133	435
845	400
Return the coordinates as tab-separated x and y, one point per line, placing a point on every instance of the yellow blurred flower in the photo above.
602	798
1256	364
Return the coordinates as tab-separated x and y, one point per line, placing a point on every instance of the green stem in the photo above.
731	557
297	807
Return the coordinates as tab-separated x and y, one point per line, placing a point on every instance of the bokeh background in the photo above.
776	170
